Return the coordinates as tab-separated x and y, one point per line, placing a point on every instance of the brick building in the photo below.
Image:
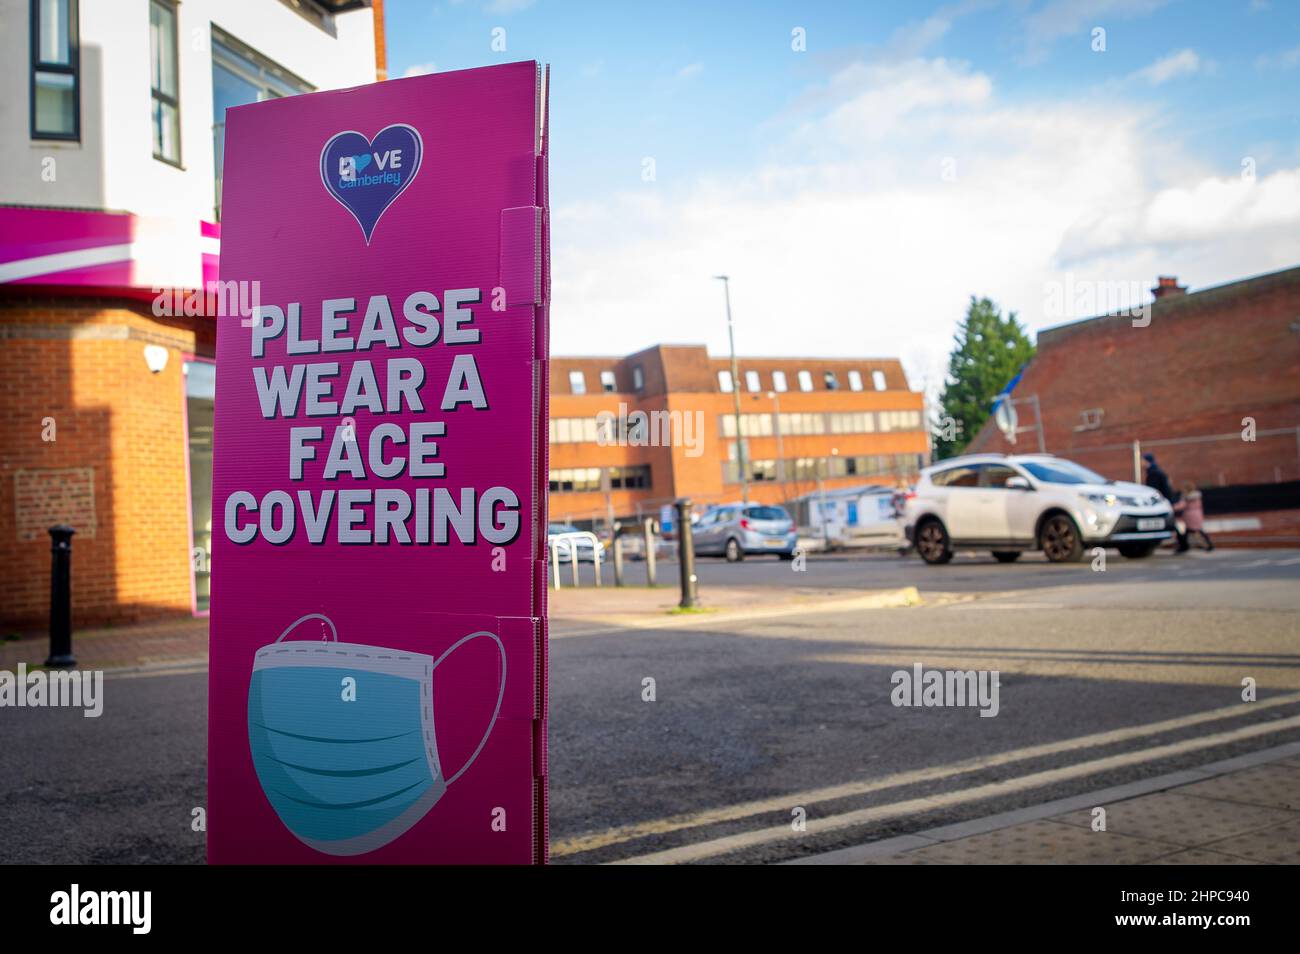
845	421
1211	386
94	438
111	142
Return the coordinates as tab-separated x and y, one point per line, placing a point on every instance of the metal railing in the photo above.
571	541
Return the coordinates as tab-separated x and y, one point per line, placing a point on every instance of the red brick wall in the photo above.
120	430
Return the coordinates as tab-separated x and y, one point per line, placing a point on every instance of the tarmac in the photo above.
1242	810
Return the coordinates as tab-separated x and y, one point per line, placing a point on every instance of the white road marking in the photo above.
736	812
153	673
817	826
1012	606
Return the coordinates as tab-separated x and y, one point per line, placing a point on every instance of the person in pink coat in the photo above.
1191	512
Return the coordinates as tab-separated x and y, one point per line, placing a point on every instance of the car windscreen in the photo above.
1061	472
766	513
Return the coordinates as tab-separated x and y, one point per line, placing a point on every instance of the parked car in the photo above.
1010	504
737	530
587	551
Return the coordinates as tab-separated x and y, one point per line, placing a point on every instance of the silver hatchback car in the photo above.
737	530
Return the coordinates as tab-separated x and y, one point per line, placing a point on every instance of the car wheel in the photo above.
733	552
1006	556
1060	539
932	543
1136	551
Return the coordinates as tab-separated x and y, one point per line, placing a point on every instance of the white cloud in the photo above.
847	239
1062	18
1214	209
420	69
1286	60
689	70
1182	63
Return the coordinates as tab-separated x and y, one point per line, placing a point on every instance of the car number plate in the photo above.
773	543
1151	523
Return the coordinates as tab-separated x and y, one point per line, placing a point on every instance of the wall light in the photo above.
155	356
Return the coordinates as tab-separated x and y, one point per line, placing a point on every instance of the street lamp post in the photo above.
735	393
775	398
821	503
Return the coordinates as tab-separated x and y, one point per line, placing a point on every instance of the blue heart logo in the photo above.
345	169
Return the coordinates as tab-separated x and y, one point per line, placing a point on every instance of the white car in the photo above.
1009	504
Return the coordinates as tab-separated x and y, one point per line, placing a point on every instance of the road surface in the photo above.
1105	677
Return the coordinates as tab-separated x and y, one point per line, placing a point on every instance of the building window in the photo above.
805	380
778	381
200	390
725	384
580	430
241	75
577	383
878	380
638	378
900	420
629	478
752	381
608	383
855	380
163	83
575	480
832	383
56	66
751	425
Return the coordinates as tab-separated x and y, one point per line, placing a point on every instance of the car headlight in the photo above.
1105	500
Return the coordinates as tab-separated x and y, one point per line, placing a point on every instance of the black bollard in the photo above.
61	598
686	551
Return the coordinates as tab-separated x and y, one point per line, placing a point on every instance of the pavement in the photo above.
773	705
169	643
181	643
1242	811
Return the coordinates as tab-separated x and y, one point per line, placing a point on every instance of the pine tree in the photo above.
987	352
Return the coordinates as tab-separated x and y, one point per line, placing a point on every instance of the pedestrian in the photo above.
1158	481
1192	511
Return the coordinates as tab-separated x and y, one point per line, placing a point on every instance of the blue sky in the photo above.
911	156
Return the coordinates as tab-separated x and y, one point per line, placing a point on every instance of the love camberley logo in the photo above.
366	176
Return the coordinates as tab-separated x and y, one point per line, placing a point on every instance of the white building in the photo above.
111	132
117	106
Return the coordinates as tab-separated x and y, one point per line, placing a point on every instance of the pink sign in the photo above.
378	625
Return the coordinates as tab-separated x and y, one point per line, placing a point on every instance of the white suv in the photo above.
1009	504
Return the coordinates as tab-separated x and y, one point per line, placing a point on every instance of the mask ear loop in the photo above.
501	692
307	617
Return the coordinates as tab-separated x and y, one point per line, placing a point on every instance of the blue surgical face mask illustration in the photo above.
349	766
